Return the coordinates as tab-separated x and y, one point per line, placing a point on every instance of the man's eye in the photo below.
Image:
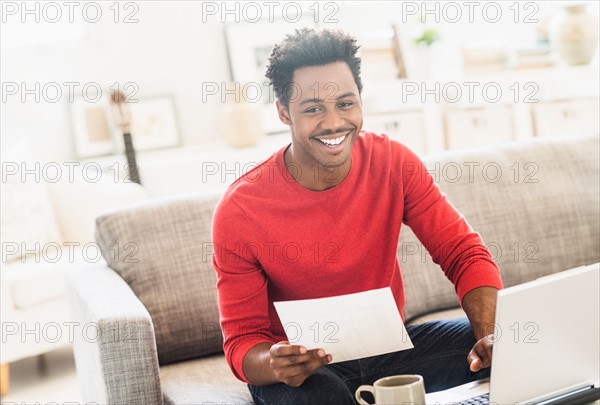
345	104
312	109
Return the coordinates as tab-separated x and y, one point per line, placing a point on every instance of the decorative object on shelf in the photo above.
122	117
486	56
539	53
574	34
422	62
428	37
92	127
240	120
249	45
424	47
536	56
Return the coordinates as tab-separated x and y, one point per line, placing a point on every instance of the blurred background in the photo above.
196	113
181	62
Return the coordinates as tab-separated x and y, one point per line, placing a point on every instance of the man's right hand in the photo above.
268	363
292	364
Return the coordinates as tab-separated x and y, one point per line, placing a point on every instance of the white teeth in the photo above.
333	142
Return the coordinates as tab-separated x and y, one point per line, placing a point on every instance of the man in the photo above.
321	217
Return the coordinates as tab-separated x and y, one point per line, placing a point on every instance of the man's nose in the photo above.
332	120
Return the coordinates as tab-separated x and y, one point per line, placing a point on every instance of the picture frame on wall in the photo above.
153	124
93	127
249	46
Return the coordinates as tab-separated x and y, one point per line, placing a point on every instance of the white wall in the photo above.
170	51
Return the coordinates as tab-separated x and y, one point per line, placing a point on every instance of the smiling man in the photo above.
321	217
321	147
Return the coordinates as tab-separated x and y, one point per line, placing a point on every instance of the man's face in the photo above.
325	115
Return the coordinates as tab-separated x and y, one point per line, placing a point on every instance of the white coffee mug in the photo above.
395	390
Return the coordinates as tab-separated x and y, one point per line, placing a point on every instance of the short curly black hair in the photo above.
307	47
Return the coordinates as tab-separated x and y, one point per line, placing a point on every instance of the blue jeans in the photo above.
439	355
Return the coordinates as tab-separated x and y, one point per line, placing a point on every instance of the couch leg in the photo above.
4	379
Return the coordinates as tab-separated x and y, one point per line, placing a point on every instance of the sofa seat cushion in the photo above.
535	204
202	381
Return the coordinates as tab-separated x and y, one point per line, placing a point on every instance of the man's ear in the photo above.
284	114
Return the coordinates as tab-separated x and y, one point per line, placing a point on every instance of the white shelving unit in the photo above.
434	115
550	101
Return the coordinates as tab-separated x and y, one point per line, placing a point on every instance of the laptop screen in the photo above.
547	337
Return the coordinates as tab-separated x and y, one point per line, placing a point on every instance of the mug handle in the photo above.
361	389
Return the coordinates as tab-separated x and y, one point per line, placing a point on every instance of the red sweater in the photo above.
275	240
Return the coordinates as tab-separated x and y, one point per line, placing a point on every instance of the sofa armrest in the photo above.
115	346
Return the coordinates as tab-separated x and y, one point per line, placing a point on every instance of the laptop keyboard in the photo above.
480	400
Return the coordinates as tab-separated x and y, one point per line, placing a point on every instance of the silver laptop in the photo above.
546	344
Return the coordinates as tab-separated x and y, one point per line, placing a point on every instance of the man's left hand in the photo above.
480	355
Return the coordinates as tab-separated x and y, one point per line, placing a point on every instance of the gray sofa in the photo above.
152	317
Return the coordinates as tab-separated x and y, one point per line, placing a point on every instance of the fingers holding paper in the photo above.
293	364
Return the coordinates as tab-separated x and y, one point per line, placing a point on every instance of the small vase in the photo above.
241	124
574	35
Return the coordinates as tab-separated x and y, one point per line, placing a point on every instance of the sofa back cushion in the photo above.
535	204
162	250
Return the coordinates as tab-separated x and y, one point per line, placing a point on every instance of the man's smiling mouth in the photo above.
333	142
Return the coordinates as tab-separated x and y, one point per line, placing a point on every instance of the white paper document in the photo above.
348	326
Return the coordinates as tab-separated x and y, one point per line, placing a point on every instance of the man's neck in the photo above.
315	176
